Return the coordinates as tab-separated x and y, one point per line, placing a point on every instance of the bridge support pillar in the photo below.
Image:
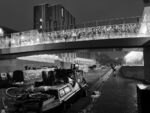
146	53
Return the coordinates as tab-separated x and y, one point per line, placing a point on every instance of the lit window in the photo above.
13	41
41	20
41	27
67	89
62	12
3	76
62	93
22	37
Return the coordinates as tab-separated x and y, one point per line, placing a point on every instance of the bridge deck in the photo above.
69	46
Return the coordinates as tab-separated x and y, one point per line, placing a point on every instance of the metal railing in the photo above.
88	32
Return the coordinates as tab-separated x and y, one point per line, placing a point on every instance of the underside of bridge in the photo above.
72	46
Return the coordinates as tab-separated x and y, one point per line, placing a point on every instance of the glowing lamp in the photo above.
22	37
37	40
1	32
41	27
41	20
142	86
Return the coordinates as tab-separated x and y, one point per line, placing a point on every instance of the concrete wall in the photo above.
135	72
15	64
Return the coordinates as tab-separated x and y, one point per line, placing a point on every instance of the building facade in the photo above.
49	17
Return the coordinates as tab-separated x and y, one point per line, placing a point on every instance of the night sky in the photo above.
18	14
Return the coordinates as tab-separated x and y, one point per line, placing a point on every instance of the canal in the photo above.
117	95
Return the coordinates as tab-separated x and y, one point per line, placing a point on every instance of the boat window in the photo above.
62	92
67	89
4	76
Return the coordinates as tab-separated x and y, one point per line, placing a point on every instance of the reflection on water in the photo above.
118	95
97	93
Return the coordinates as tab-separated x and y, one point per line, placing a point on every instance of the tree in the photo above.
104	59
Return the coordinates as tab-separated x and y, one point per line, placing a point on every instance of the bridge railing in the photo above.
34	37
96	23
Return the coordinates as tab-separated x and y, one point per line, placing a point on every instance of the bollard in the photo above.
143	98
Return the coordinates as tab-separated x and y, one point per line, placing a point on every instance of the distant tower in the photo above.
49	17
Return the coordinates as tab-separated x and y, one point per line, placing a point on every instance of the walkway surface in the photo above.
118	95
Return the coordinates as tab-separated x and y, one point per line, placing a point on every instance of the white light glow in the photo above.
84	61
142	86
37	40
1	32
13	41
41	26
41	58
133	57
22	37
143	29
41	20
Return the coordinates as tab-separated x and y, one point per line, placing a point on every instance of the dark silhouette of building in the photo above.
49	17
146	1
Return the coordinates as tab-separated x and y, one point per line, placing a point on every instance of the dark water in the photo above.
118	96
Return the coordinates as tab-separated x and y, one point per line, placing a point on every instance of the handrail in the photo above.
87	22
35	37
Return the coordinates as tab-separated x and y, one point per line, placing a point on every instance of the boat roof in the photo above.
56	87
